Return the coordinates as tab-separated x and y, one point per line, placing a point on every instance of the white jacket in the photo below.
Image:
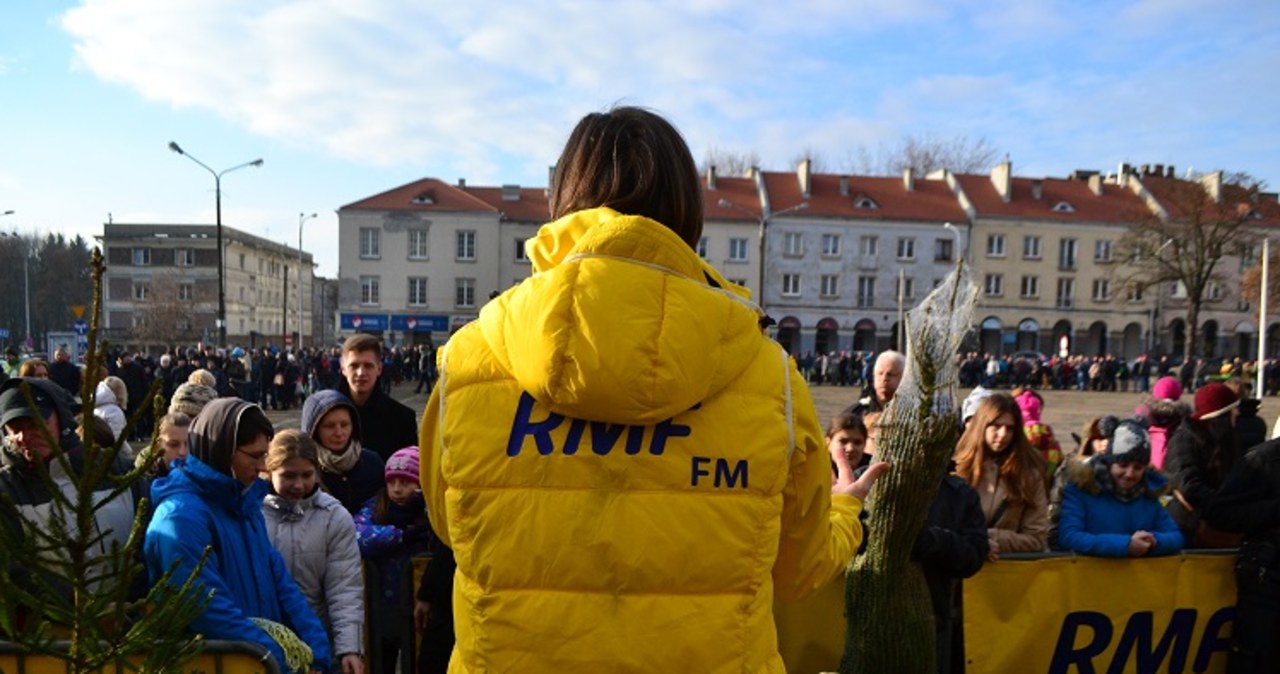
317	539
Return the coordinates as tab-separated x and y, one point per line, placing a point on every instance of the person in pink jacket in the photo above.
1164	410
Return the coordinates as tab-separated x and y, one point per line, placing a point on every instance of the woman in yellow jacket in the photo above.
627	469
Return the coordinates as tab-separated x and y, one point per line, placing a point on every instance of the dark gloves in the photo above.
417	533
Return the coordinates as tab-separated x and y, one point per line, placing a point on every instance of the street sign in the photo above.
4	333
80	327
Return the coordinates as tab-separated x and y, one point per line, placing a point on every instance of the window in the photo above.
906	249
792	244
739	281
868	246
521	256
1063	207
866	291
791	285
141	257
141	291
1213	291
993	285
702	248
418	244
370	243
417	291
1067	254
369	290
904	287
1133	293
1030	286
1179	290
831	245
995	245
1102	251
943	249
1066	293
1248	256
187	291
465	293
737	250
830	285
242	268
466	249
1102	290
184	257
1031	247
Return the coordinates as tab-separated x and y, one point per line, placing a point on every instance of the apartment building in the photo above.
422	258
161	285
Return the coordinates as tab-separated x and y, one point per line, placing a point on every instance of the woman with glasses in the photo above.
214	500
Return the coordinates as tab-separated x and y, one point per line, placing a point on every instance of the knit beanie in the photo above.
970	405
1167	388
1031	405
403	464
1214	400
1126	440
190	398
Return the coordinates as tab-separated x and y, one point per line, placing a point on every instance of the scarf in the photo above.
339	464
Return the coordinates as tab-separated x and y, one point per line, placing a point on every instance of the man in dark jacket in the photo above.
1248	502
65	373
386	425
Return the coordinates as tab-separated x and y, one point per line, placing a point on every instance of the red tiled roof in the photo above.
744	203
931	200
1116	204
444	198
1172	195
532	206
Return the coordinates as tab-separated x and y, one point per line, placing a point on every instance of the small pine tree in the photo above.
62	600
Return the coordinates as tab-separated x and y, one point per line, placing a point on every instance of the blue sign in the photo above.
4	333
365	322
423	323
81	327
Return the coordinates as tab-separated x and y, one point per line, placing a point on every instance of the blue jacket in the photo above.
1095	522
197	507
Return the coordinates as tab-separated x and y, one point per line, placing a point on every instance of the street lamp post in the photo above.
302	217
1153	341
763	218
217	189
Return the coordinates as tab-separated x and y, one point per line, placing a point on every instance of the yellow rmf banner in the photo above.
1059	615
1087	614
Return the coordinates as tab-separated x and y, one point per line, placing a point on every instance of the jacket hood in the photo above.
319	403
219	489
1083	474
104	396
621	321
213	433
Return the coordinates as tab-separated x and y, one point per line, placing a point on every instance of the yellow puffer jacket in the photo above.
626	468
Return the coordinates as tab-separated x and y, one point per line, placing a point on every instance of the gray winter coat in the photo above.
317	539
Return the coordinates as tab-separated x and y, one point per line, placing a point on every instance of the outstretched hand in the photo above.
844	482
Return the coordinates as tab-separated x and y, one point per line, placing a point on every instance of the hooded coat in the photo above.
359	484
317	540
201	505
626	468
1095	522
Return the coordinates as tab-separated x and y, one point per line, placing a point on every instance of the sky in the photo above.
343	100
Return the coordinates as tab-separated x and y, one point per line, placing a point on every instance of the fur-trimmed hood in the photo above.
1083	474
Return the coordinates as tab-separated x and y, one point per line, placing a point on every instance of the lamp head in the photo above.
256	162
174	147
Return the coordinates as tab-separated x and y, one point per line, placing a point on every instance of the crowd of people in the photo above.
627	468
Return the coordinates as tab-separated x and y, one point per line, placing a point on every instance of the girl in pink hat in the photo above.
1164	412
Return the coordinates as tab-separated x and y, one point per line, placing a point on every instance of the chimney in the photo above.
1095	185
511	193
1169	172
1122	175
1001	177
909	179
462	183
1144	170
805	177
1158	170
844	186
711	177
1213	185
1037	189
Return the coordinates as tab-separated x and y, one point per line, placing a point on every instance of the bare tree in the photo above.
1192	225
924	154
728	162
166	319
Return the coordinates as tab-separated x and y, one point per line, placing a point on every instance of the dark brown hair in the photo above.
362	342
635	162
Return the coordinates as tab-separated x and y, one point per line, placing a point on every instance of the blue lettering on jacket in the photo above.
604	436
